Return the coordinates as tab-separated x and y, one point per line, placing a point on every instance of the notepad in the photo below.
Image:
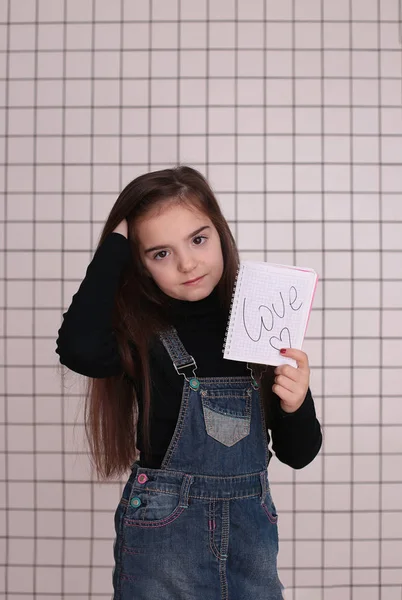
270	310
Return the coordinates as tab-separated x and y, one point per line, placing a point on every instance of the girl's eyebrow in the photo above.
188	237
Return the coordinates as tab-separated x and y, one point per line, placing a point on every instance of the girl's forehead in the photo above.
172	214
175	206
174	221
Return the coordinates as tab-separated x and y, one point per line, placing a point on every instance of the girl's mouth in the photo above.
194	281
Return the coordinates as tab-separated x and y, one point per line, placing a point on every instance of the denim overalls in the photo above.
203	526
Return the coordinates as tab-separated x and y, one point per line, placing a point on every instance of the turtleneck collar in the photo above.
209	306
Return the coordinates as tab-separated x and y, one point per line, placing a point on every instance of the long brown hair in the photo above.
111	406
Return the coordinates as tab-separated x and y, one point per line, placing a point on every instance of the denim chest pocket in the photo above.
227	414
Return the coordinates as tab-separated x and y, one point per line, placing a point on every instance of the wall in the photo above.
293	112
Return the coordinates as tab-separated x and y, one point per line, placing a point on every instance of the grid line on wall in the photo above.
5	328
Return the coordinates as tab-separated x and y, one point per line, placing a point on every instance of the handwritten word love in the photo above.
269	317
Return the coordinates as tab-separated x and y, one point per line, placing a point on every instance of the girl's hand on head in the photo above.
291	384
122	228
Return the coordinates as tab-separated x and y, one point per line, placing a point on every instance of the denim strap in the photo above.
181	359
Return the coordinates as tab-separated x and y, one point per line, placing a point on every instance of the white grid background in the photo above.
293	112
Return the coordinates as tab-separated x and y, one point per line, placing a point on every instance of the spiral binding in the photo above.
226	341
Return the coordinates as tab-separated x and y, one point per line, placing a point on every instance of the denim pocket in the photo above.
227	414
152	509
270	509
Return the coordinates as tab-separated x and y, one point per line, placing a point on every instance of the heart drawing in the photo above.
283	341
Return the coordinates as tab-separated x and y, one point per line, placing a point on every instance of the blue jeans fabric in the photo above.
204	525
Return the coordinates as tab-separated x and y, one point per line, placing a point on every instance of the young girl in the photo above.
196	519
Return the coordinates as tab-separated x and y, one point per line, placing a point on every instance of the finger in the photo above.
289	371
287	383
283	393
298	355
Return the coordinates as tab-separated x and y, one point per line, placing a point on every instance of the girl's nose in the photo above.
186	264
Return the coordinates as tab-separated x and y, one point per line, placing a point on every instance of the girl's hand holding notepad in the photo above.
291	384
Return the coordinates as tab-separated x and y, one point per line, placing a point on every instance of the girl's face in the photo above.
181	250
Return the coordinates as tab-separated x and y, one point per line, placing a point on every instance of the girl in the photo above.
196	519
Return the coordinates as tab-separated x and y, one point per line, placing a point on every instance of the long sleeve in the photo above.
86	342
296	437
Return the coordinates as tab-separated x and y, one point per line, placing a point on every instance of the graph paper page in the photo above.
270	311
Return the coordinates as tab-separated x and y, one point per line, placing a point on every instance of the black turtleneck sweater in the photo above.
86	344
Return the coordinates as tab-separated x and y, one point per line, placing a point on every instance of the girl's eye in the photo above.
159	257
201	238
164	253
